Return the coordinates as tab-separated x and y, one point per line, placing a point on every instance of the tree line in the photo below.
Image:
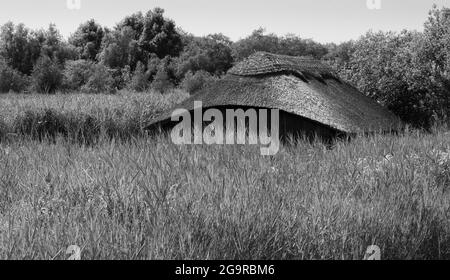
408	72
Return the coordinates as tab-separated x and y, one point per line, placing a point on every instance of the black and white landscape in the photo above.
236	130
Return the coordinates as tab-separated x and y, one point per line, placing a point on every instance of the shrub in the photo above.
152	66
11	79
90	77
194	82
101	80
77	73
140	79
47	76
123	77
164	77
162	82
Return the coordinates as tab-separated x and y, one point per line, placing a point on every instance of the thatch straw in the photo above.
262	63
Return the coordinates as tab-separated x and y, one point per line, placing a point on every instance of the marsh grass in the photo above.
146	198
149	199
82	117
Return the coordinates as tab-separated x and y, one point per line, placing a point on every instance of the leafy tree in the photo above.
11	79
192	83
120	49
117	48
19	47
135	22
436	45
339	56
257	41
47	75
87	39
77	73
288	45
140	80
137	37
296	46
22	47
164	78
100	81
433	57
53	46
211	54
152	66
159	35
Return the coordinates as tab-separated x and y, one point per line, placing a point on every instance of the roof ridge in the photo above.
263	63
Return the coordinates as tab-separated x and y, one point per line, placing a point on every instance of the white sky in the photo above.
321	20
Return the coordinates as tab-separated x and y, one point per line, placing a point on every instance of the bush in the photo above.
11	79
47	76
162	82
77	73
164	78
100	81
153	66
194	82
140	79
122	77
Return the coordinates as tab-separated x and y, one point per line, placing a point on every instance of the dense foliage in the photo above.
288	45
408	71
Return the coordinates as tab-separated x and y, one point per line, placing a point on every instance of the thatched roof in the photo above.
262	63
300	86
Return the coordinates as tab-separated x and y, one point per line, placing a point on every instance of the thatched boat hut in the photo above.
312	99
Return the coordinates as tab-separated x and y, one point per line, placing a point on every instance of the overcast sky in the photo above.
321	20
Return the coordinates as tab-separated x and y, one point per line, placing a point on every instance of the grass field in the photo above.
83	117
146	198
